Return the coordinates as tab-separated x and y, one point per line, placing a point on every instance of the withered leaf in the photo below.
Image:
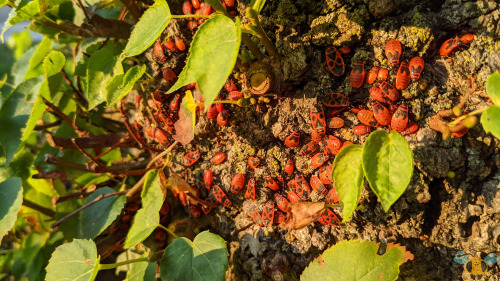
301	214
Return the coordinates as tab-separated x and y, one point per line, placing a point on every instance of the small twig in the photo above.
32	205
47	125
123	170
162	154
111	148
78	94
83	193
136	187
84	10
97	199
60	114
88	155
108	140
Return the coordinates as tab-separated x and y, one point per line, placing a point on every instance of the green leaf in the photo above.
71	227
490	120
15	114
36	60
18	167
388	165
348	176
148	29
120	85
257	5
100	69
148	217
20	42
11	197
21	66
99	216
36	114
493	87
203	259
76	261
355	260
216	5
53	63
142	271
211	57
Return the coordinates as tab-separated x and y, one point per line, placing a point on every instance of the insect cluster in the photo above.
384	110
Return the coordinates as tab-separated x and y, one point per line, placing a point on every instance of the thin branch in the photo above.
60	114
102	141
99	164
162	154
122	170
47	125
136	187
78	94
83	193
97	199
133	9
32	205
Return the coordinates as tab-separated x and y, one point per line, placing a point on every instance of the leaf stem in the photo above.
332	205
168	231
225	101
475	112
115	265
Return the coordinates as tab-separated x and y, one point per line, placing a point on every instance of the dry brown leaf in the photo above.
301	214
178	184
407	255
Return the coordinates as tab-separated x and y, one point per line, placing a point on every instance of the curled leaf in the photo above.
184	127
178	184
301	214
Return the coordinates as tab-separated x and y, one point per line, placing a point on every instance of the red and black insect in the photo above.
289	167
220	107
279	217
448	46
218	158
192	25
410	129
208	178
250	192
400	118
372	75
389	90
403	76
187	8
346	144
332	196
293	197
253	162
257	218
302	187
318	186
179	43
335	100
237	183
335	123
467	38
212	111
357	76
334	61
229	3
416	67
317	116
318	134
159	53
271	183
223	118
361	129
235	95
309	148
319	159
220	196
191	158
281	202
268	213
206	209
196	3
169	76
170	45
293	139
381	114
344	50
333	145
393	51
175	103
195	211
325	174
366	117
162	137
329	218
383	74
229	86
377	94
